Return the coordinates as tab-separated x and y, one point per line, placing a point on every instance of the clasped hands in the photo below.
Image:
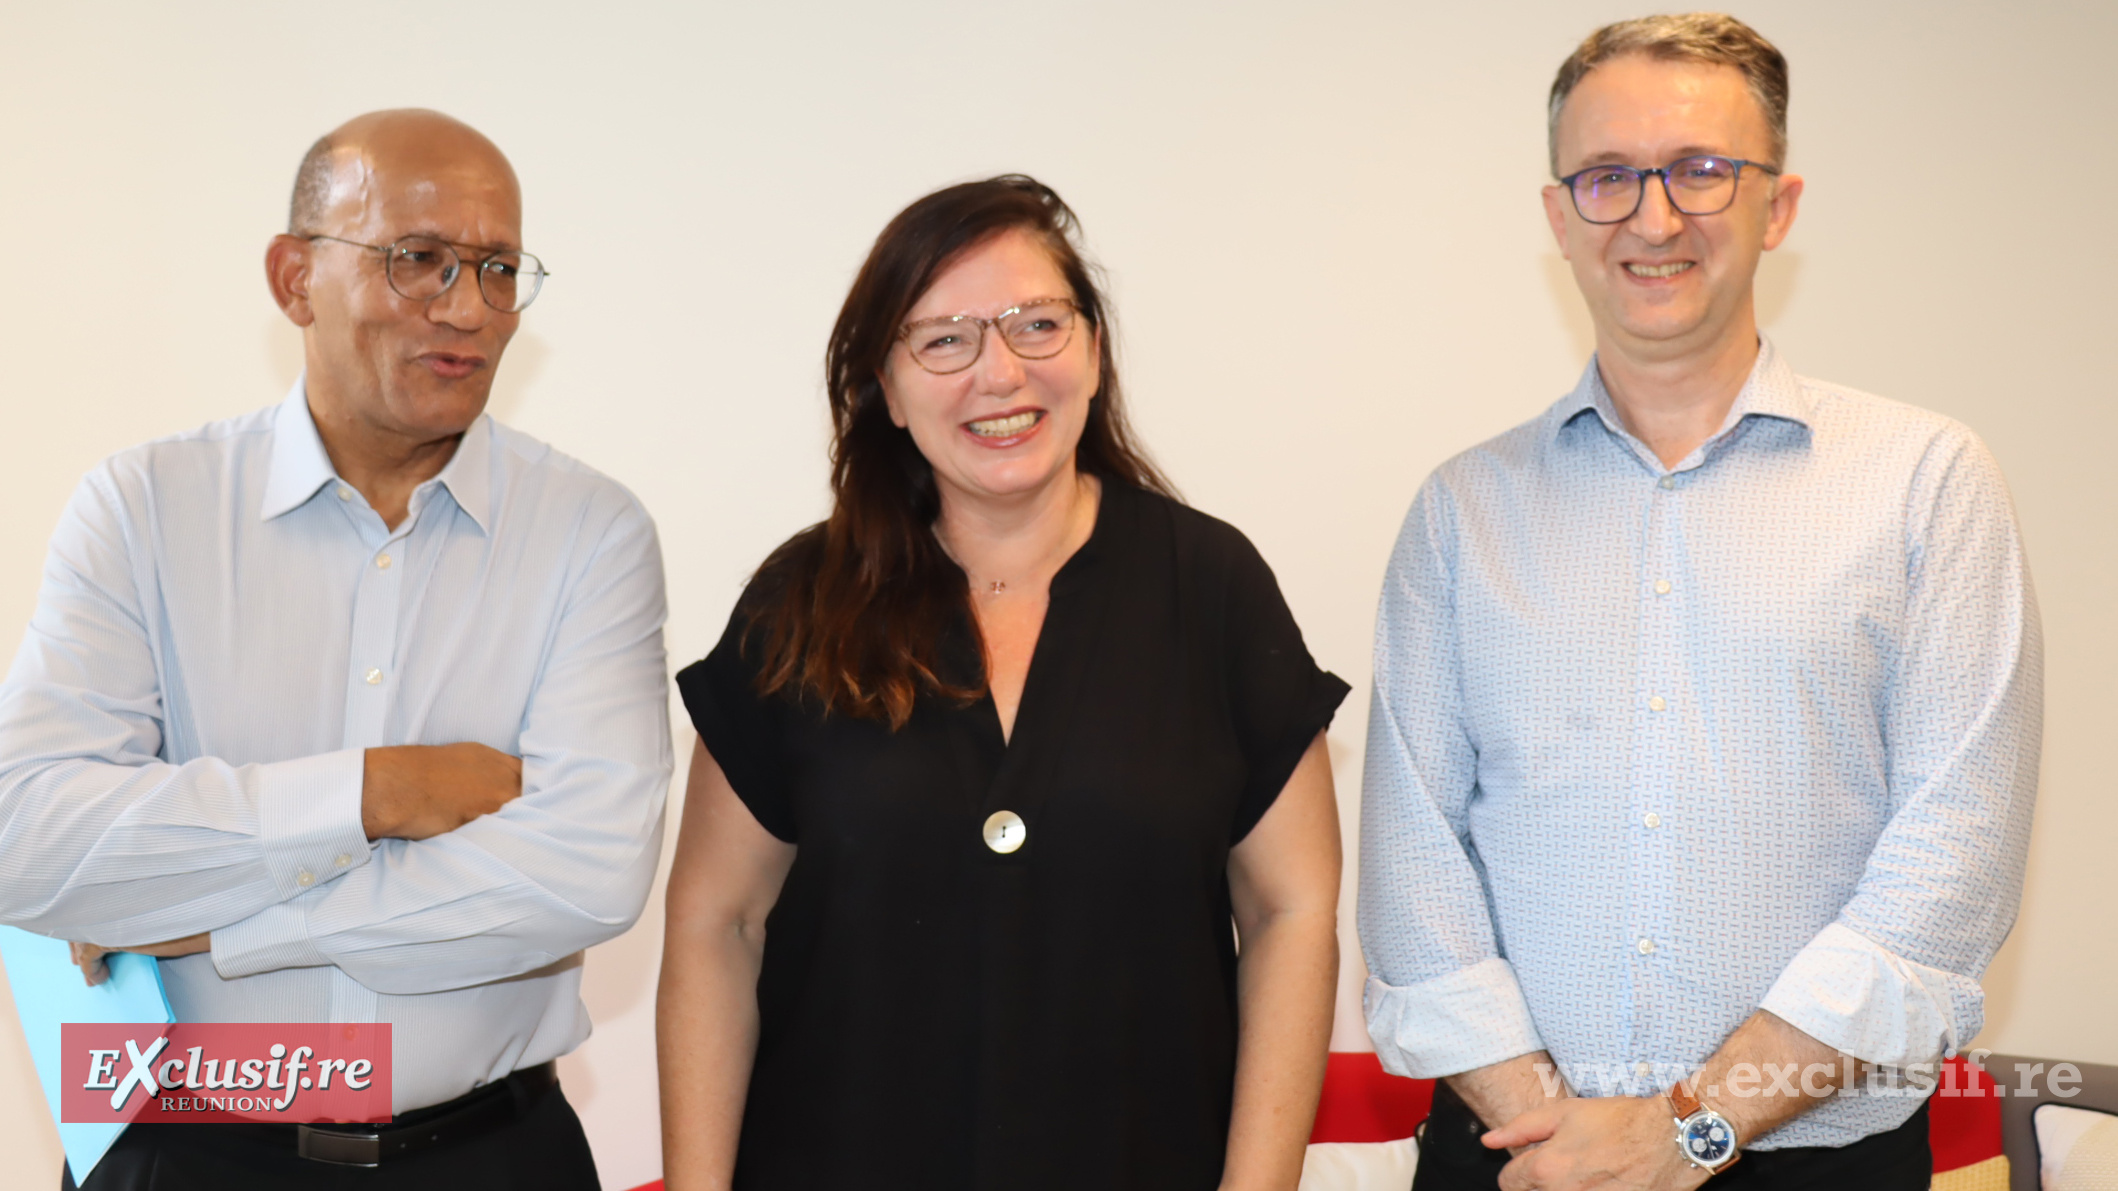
1605	1142
408	791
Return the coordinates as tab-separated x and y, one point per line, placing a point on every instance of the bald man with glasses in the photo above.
1707	706
354	709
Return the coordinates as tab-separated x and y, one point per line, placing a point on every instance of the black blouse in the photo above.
938	1014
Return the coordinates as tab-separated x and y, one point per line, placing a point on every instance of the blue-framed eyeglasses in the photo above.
1701	185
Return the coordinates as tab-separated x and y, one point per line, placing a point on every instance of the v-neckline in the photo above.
1040	655
987	708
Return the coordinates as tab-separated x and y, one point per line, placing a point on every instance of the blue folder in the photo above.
49	992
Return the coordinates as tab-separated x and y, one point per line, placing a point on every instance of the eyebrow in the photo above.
1025	304
1613	157
489	249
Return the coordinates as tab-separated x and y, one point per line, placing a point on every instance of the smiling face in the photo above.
1004	428
415	370
1664	285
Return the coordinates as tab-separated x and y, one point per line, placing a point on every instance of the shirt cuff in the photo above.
308	812
1472	1017
273	938
1853	994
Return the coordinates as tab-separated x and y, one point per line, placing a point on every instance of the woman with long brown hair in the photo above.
997	753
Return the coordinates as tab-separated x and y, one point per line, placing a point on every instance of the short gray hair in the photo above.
1709	37
312	188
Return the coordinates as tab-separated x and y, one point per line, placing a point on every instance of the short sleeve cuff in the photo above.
734	742
1853	994
308	813
1472	1017
273	938
1326	692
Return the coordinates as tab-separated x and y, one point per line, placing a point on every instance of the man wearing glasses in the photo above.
353	709
1707	706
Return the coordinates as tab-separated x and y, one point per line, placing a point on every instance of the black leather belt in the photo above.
456	1120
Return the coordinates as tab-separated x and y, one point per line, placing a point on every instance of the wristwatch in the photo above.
1704	1137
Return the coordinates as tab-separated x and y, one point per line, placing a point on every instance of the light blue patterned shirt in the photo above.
225	626
1653	747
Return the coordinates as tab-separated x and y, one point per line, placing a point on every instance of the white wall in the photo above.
1321	225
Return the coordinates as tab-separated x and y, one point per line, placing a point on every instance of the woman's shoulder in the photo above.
1192	533
737	657
790	568
791	565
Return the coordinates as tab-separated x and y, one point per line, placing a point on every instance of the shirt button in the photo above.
373	677
1652	819
344	859
1669	481
1646	946
1005	831
382	563
1661	586
305	878
1657	703
1643	1069
344	493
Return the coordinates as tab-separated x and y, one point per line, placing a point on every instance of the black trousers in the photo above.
541	1148
1452	1159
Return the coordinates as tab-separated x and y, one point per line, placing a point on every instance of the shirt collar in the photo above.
1773	391
469	474
1114	505
301	466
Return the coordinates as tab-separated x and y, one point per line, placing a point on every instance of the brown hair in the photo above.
1709	37
852	612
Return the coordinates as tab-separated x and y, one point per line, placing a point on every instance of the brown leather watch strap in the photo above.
1684	1104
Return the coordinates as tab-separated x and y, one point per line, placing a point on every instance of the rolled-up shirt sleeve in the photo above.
565	866
1895	980
1441	999
100	839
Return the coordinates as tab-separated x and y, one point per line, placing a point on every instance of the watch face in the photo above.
1707	1139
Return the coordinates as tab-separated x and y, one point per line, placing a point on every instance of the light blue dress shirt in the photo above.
225	626
1655	746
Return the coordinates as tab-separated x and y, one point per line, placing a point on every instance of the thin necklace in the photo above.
987	588
984	587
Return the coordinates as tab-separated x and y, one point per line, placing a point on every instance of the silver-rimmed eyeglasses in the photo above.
423	268
1701	185
1035	330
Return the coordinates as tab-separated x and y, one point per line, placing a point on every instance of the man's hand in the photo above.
1764	1075
1606	1142
418	791
89	957
1505	1091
